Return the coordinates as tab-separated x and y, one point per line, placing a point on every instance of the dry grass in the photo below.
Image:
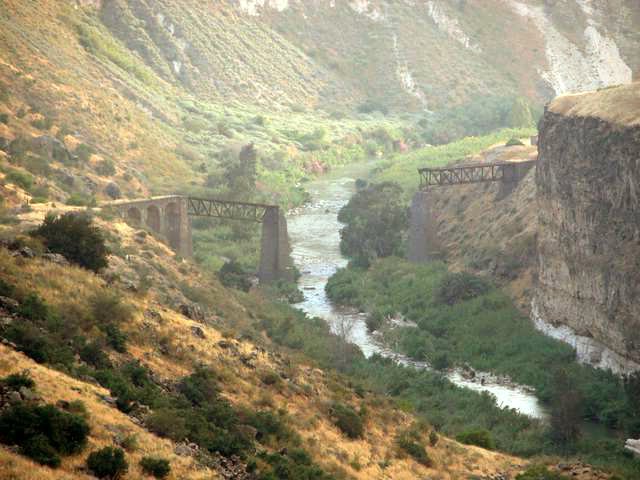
305	394
620	105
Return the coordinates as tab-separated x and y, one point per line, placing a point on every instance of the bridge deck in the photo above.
474	173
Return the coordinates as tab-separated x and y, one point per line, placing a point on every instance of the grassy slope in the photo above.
305	393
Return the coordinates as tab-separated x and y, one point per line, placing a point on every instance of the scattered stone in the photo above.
108	399
55	258
28	394
192	311
633	446
14	397
198	332
24	252
8	304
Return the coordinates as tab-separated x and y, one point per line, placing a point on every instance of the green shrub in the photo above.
43	432
480	438
116	339
200	387
347	420
17	380
74	236
433	438
106	168
232	275
158	467
44	123
4	118
460	286
415	450
77	199
109	463
23	180
92	354
84	152
540	472
513	142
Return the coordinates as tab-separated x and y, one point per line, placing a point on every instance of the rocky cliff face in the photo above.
588	194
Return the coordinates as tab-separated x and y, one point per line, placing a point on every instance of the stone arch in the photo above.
134	216
172	221
153	218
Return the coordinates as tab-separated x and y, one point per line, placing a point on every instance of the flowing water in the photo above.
315	236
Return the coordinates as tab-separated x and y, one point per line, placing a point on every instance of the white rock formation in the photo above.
588	350
572	69
633	446
450	26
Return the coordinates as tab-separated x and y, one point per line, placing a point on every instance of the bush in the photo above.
17	380
43	433
92	354
116	339
106	168
433	438
480	438
158	467
74	236
347	420
232	275
539	472
200	387
84	152
415	450
78	199
513	142
460	286
4	118
108	463
21	179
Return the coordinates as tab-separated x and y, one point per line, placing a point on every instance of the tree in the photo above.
74	236
240	171
566	408
375	222
520	114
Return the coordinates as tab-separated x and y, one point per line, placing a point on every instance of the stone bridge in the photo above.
422	228
169	217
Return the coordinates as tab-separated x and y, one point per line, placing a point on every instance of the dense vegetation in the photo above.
375	220
195	410
461	319
75	237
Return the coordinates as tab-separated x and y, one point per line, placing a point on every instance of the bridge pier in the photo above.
422	242
274	252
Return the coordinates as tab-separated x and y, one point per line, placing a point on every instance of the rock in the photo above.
198	332
185	450
8	304
108	399
633	446
14	397
192	311
24	252
28	394
113	190
581	196
55	258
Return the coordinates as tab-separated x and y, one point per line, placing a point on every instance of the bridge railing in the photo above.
207	207
474	173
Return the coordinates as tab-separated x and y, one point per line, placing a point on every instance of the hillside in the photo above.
170	336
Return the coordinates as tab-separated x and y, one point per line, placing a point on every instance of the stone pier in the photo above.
275	251
423	243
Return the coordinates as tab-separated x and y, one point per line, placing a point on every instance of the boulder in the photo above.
113	190
55	258
198	332
633	446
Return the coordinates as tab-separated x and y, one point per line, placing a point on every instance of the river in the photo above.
315	236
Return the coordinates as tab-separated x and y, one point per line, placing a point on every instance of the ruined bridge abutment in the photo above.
423	239
169	218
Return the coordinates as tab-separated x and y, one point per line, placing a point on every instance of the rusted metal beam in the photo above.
209	207
474	173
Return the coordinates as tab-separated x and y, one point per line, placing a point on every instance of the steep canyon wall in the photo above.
588	202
